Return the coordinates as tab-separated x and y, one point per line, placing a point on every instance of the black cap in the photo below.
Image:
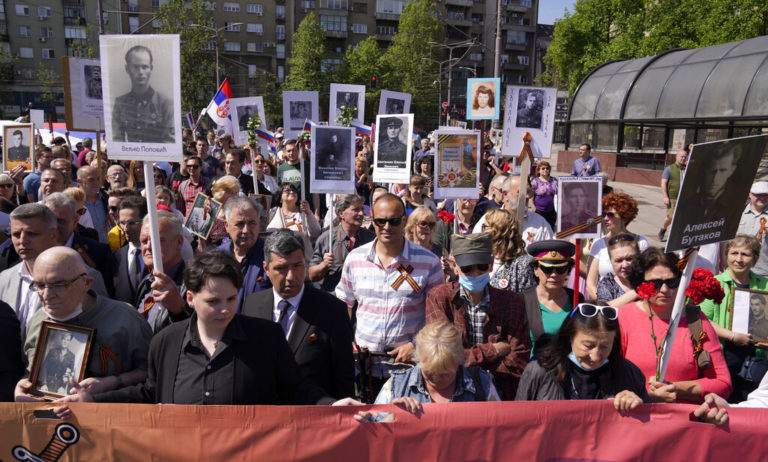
393	121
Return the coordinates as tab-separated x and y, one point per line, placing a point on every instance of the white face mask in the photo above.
76	312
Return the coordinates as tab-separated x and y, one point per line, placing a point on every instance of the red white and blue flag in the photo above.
362	130
218	108
190	120
265	135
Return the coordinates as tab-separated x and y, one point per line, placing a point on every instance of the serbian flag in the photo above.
218	108
362	130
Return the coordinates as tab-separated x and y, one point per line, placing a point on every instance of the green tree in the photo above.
409	64
360	62
305	64
198	79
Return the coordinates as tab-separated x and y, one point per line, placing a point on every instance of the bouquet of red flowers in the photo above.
446	217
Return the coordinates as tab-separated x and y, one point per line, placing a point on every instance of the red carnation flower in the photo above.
704	286
446	217
647	291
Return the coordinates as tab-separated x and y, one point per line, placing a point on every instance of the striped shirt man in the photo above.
390	301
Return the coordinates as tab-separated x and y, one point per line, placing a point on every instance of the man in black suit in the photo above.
130	266
233	164
315	323
95	254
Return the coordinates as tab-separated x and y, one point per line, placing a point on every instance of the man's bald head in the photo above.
390	198
64	256
62	280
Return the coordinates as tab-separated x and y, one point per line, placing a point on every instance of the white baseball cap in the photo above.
759	187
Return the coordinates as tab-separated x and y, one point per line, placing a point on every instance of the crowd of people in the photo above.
388	295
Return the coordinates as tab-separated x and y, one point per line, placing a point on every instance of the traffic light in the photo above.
373	81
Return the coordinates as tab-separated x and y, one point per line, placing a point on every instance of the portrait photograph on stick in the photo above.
456	164
750	313
483	101
392	151
333	153
534	112
200	219
715	186
83	103
141	85
394	102
299	107
242	111
18	146
579	199
61	354
349	96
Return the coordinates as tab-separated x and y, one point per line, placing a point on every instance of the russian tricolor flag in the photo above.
218	108
265	135
362	130
307	126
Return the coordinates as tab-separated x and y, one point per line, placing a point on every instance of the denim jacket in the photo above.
411	383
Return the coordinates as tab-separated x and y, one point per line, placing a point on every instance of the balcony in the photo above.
515	6
515	46
458	21
514	66
74	21
336	33
459	2
384	37
387	16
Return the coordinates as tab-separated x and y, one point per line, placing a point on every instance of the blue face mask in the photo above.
474	284
575	361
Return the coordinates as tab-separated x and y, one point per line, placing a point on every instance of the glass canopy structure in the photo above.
638	108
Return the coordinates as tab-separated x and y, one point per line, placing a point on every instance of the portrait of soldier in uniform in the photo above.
17	150
300	111
143	114
529	108
333	154
347	98
391	149
245	112
395	106
92	81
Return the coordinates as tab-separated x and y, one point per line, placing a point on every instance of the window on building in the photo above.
25	31
133	5
48	53
22	10
157	23
253	70
522	59
516	37
133	24
504	59
232	46
255	8
209	46
75	32
525	3
385	30
333	23
280	51
390	6
280	32
360	28
43	12
475	56
209	6
360	7
232	7
330	64
26	52
231	27
46	32
522	79
280	11
308	4
477	18
334	4
280	74
255	47
255	28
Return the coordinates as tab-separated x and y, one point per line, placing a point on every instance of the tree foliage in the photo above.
598	31
305	64
198	67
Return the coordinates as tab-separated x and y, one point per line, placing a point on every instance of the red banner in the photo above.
542	431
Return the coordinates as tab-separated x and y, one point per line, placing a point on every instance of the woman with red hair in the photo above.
618	211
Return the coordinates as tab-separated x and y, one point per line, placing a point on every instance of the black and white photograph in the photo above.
718	176
242	110
200	219
83	103
18	146
142	93
347	95
61	354
394	102
534	113
483	99
579	199
392	151
331	163
299	107
750	313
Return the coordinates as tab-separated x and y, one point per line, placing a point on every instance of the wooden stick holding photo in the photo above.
201	217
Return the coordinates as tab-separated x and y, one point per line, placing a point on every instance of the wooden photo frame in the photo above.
61	353
750	313
200	219
18	146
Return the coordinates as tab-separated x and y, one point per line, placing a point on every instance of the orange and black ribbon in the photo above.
526	151
149	302
405	275
106	354
762	228
683	262
580	227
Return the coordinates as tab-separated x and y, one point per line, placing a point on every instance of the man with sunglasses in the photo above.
196	183
491	321
389	279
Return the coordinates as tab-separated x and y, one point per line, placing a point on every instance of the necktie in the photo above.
135	269
283	320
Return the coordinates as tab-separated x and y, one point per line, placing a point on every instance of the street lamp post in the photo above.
216	39
450	47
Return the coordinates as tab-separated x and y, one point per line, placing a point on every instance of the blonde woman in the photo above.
512	268
420	229
222	190
83	216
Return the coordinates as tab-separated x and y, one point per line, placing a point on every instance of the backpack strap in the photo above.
533	312
701	355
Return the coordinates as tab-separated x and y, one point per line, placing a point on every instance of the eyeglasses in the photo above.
547	270
672	283
54	286
193	166
113	208
81	211
258	161
125	224
6	185
482	267
588	310
610	215
289	191
621	237
395	221
426	224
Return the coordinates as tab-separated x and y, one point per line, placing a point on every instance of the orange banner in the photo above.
541	431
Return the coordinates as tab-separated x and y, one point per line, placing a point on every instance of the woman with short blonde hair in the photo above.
420	229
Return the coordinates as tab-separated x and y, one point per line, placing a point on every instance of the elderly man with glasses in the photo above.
389	279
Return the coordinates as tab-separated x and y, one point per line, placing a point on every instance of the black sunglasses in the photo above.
547	270
380	222
482	267
672	283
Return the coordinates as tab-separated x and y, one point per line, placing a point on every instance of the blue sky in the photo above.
549	10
